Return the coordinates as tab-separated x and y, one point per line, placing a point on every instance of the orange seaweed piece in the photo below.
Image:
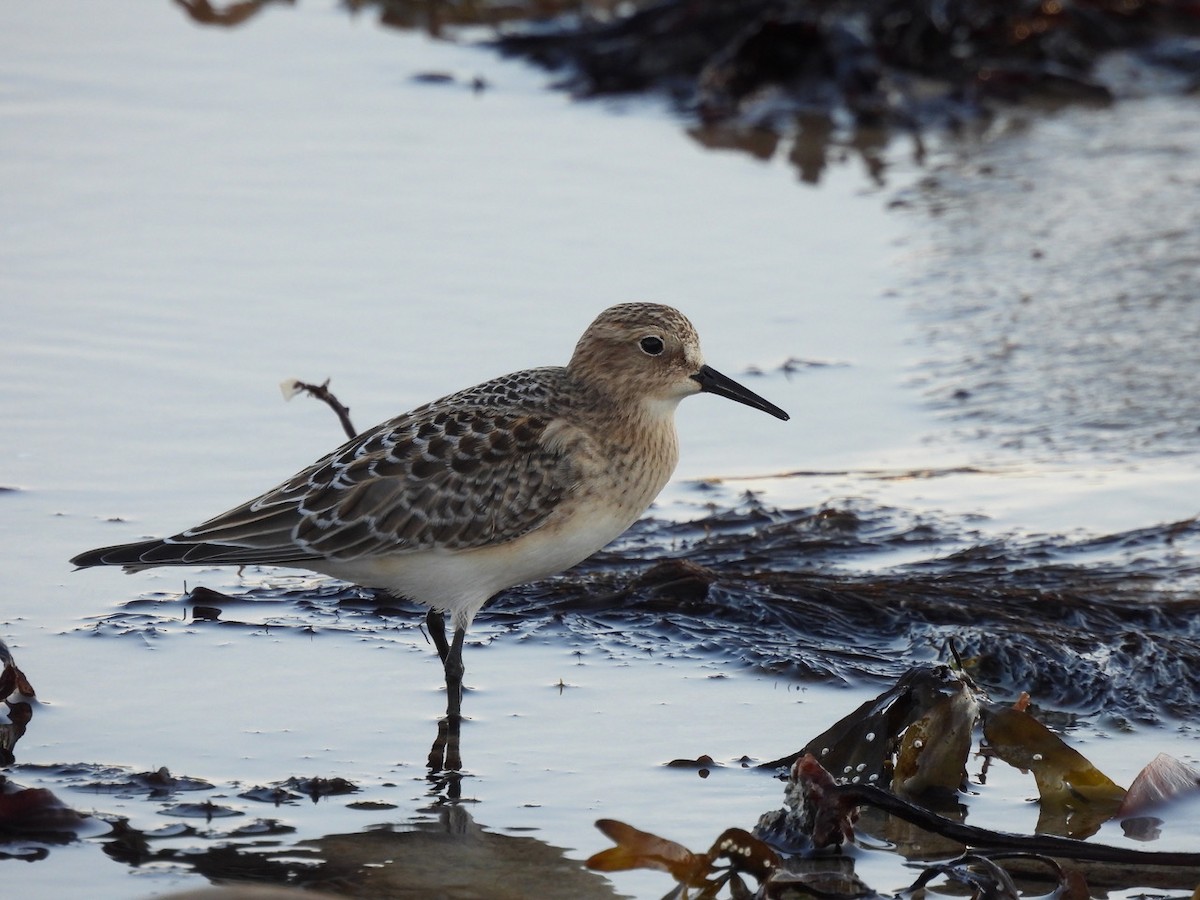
642	850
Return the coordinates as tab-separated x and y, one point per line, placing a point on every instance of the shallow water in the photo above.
1073	332
192	215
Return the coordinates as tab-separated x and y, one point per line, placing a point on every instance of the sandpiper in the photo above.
506	482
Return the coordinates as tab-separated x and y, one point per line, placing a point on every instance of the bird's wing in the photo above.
475	468
453	477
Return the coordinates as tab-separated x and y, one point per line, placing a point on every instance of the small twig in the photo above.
292	386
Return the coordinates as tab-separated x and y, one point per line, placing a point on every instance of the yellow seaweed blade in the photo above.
933	751
1063	774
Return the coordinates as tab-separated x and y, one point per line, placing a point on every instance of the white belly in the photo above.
461	581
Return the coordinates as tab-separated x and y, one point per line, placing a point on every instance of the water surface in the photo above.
192	215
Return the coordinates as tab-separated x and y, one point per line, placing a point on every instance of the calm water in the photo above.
191	215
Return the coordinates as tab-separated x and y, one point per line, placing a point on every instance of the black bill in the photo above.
713	382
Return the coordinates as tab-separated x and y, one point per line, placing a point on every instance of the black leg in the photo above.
454	674
437	633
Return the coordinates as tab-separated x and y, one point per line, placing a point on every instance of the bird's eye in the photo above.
651	345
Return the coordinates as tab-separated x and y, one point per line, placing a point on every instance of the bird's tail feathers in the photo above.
148	554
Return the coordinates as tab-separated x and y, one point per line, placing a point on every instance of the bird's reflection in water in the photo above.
445	760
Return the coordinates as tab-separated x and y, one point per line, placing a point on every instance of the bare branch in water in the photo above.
1046	844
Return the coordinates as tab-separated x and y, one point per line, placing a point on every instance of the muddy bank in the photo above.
823	84
782	66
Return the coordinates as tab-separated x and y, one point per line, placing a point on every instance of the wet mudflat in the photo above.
994	458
